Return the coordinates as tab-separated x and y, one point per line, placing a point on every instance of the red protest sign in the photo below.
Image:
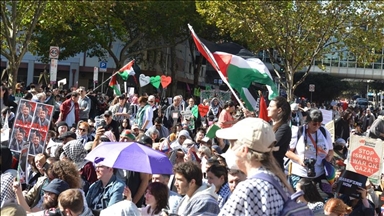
365	160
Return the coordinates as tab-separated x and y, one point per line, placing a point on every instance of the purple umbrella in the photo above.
131	156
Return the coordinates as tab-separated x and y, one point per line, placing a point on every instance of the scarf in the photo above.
140	115
223	193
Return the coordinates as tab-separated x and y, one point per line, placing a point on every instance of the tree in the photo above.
143	28
297	33
18	22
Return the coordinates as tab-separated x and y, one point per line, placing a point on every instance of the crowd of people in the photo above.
248	167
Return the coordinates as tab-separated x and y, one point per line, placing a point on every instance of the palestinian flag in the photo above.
113	84
127	70
237	66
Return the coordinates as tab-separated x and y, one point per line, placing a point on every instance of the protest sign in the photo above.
327	115
365	156
350	181
31	126
221	95
331	128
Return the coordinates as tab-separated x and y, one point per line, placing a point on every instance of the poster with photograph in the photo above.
37	141
31	126
19	138
42	117
24	114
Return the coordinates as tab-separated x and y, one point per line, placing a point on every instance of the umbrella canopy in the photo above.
131	156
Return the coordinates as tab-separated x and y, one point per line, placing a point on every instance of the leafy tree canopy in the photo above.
296	33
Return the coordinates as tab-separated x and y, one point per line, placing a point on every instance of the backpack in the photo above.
290	208
300	132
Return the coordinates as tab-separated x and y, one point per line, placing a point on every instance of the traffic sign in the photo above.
311	87
103	66
54	52
95	74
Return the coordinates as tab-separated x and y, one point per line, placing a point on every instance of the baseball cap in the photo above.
56	186
68	134
146	140
107	113
135	126
253	132
12	209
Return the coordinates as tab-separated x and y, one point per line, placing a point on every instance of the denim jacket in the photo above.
111	194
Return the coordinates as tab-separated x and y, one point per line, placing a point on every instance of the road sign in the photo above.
53	71
95	74
54	52
311	87
103	66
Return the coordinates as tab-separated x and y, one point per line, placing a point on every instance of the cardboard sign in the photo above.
365	157
350	181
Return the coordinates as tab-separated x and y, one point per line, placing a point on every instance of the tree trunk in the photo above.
196	70
12	75
173	73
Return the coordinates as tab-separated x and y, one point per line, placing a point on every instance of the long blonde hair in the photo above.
269	162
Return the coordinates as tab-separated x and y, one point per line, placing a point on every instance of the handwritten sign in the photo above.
365	157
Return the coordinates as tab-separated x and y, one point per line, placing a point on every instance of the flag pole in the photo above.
216	67
114	74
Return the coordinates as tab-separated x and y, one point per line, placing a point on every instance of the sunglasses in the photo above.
107	116
81	129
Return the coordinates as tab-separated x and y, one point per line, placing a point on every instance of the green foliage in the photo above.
96	26
327	87
295	33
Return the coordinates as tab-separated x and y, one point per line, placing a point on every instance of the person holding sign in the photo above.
310	144
360	206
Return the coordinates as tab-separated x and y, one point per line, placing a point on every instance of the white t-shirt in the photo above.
323	146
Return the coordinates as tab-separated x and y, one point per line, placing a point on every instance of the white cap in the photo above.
253	132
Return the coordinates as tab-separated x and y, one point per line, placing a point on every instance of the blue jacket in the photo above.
111	194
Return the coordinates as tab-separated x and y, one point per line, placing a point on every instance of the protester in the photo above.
342	125
336	207
311	196
51	194
145	114
173	198
69	110
252	152
84	104
107	190
234	178
156	198
173	111
7	176
377	128
71	202
279	111
199	198
120	111
218	176
308	150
